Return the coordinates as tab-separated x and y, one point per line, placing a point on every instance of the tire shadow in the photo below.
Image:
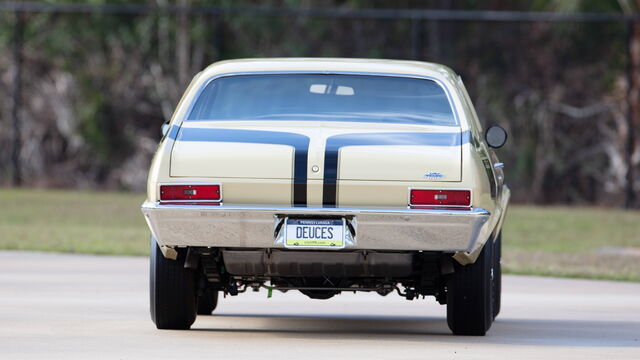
510	331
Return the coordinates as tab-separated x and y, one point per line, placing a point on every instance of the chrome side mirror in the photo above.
495	136
165	128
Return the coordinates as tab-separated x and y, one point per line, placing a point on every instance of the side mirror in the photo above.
495	136
165	128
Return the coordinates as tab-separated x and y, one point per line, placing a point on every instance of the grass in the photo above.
73	221
582	242
558	241
571	229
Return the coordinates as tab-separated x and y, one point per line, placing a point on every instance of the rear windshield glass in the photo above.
320	97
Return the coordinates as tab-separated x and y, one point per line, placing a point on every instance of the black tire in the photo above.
469	295
207	303
497	275
173	291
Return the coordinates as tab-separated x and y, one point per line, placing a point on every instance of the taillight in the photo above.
440	197
202	194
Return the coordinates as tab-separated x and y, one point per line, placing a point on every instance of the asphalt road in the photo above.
92	307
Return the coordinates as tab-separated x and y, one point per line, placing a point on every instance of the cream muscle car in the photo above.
323	176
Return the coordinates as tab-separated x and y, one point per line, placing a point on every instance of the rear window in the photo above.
323	97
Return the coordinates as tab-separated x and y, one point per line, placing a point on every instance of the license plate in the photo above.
314	233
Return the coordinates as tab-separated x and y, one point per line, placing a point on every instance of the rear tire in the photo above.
497	275
207	303
172	291
469	295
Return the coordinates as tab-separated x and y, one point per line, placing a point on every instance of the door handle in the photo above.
498	165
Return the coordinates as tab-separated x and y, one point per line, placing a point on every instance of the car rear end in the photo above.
320	181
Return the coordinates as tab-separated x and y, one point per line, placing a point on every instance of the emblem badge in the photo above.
433	176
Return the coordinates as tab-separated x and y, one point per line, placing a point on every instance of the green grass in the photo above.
557	241
571	229
73	221
580	242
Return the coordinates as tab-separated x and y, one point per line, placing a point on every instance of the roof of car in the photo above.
377	66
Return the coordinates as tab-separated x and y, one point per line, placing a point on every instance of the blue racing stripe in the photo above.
173	132
300	143
335	143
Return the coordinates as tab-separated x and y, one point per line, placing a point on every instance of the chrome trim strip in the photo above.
319	210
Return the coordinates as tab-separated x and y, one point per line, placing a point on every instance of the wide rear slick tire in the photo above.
470	295
173	297
207	302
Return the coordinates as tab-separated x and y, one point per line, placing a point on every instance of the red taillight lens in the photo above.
441	197
190	192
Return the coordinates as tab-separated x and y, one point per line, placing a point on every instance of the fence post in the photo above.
17	97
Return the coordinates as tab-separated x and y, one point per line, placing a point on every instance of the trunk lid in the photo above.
339	150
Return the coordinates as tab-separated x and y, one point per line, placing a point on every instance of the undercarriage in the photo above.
321	274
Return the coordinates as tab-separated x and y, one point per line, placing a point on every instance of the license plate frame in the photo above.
315	226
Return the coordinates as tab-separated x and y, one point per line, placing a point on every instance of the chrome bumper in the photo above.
255	227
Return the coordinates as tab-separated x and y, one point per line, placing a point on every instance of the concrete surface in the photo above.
92	307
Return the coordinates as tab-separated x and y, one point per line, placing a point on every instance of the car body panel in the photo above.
268	151
257	172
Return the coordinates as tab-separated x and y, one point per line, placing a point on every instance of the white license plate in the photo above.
314	233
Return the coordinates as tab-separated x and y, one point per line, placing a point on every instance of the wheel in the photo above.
497	275
172	290
469	295
207	302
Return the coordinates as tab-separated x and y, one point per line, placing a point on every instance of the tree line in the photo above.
97	86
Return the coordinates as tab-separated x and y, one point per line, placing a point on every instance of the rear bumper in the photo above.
255	227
